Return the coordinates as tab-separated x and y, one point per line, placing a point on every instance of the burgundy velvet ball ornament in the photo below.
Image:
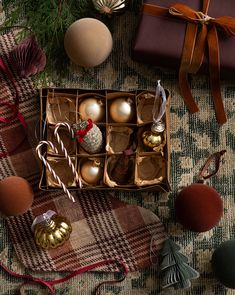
199	207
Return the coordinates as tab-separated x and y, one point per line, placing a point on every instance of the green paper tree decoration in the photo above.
174	268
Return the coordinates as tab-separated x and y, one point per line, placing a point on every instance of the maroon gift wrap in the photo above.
159	39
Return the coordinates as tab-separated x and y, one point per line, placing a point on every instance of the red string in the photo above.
14	107
49	284
82	132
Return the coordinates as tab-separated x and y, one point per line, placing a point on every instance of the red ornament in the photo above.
199	207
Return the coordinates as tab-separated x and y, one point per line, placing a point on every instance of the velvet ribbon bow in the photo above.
201	30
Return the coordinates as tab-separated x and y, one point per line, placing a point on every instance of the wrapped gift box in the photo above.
159	39
146	169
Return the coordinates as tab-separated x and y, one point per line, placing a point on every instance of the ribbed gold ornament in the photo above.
52	232
110	7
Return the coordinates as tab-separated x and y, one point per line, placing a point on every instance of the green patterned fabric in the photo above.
193	139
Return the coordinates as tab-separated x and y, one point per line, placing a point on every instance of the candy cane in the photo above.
51	170
64	150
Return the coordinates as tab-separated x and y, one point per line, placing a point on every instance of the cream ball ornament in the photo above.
122	110
91	108
92	171
88	42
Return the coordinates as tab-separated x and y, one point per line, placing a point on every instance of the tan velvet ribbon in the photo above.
201	30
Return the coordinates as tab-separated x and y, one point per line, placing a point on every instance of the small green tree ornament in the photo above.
174	268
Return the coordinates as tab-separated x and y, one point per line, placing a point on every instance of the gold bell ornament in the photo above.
155	136
51	230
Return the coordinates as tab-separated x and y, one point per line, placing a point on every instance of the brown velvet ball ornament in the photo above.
198	207
16	196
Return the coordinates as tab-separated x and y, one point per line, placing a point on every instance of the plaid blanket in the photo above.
102	226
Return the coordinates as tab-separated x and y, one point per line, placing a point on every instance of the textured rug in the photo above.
193	138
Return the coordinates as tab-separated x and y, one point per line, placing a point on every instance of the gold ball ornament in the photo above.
91	108
151	139
154	137
51	230
92	171
88	42
122	110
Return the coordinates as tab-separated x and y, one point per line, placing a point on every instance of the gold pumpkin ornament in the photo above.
51	230
110	7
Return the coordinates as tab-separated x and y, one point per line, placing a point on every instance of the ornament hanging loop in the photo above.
216	158
158	123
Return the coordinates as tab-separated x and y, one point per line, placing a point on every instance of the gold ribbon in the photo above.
201	30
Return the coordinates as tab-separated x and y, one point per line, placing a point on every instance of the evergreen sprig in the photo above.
49	20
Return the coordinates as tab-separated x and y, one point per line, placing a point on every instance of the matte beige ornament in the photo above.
122	110
91	108
110	7
88	42
92	171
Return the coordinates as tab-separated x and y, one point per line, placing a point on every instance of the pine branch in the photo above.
49	20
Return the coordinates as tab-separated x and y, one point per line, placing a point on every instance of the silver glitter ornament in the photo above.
89	136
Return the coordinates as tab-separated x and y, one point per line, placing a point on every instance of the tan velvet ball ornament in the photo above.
88	42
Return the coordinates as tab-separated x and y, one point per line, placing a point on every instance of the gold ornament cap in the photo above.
51	230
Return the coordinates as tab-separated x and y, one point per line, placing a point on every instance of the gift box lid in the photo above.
159	39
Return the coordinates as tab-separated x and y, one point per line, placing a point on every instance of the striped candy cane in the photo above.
51	170
64	150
